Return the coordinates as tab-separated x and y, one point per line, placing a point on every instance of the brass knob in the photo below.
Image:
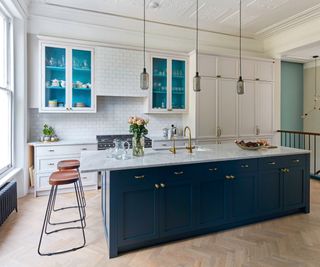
228	177
156	186
232	177
287	170
162	185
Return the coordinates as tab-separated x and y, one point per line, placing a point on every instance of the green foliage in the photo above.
138	130
47	130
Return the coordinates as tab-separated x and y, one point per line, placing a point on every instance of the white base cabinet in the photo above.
46	159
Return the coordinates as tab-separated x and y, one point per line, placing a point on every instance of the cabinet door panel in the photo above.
227	114
138	214
227	67
212	210
243	191
246	110
264	107
269	191
176	207
159	83
207	109
264	71
207	65
248	69
178	84
293	188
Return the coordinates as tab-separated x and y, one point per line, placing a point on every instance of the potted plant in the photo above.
48	133
139	130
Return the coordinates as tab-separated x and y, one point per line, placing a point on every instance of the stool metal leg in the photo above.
82	218
47	218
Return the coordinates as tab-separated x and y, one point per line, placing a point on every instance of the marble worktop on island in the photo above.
92	161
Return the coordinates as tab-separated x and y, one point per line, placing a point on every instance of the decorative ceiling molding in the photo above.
289	23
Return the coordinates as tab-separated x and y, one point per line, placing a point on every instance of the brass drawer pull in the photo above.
139	176
272	163
156	186
162	185
218	76
84	148
213	169
296	161
245	166
228	177
51	164
84	177
232	177
51	150
178	173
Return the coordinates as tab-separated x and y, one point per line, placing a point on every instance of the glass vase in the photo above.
138	146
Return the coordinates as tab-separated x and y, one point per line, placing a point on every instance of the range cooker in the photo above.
106	141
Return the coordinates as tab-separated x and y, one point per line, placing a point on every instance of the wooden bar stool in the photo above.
64	165
63	178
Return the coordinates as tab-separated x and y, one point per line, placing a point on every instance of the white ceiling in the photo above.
214	15
303	54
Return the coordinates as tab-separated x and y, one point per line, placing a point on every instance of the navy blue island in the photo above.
163	197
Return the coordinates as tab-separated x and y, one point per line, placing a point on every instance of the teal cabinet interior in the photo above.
67	79
168	84
156	205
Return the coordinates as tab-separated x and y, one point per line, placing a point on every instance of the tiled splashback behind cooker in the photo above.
111	118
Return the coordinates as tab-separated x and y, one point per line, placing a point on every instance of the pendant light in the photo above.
240	83
197	78
315	99
144	76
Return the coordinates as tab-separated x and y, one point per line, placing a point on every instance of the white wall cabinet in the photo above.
67	78
227	108
218	113
168	92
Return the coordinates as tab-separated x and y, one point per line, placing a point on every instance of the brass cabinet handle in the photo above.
287	170
51	150
257	130
232	177
257	79
219	131
272	163
218	76
67	109
156	186
228	177
84	148
169	109
296	161
84	177
214	169
162	185
139	176
245	166
178	173
51	164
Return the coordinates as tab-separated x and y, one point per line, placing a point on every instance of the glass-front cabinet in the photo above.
67	79
168	85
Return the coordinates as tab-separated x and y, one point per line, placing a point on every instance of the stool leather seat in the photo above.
70	164
63	177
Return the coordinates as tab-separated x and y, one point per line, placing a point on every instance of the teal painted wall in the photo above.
291	96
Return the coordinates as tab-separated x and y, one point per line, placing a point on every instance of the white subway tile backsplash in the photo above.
111	118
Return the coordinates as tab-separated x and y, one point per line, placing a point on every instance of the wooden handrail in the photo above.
298	132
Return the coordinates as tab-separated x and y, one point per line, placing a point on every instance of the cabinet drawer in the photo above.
45	165
297	160
271	163
63	150
89	178
246	165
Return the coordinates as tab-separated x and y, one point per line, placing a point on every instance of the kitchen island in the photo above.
162	196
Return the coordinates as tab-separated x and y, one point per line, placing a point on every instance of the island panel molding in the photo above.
164	197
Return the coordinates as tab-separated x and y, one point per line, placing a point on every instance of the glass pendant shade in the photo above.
240	86
144	80
196	83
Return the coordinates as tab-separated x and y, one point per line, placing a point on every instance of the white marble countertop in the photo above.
92	161
64	143
161	138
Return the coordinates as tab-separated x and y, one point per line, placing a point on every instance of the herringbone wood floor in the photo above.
289	241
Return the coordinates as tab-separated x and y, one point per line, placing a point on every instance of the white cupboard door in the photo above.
248	69
227	108
246	110
227	67
264	71
264	107
207	65
207	109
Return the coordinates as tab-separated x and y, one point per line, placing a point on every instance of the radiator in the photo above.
8	200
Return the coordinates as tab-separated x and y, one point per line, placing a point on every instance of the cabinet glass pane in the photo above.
55	77
178	84
159	86
81	78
